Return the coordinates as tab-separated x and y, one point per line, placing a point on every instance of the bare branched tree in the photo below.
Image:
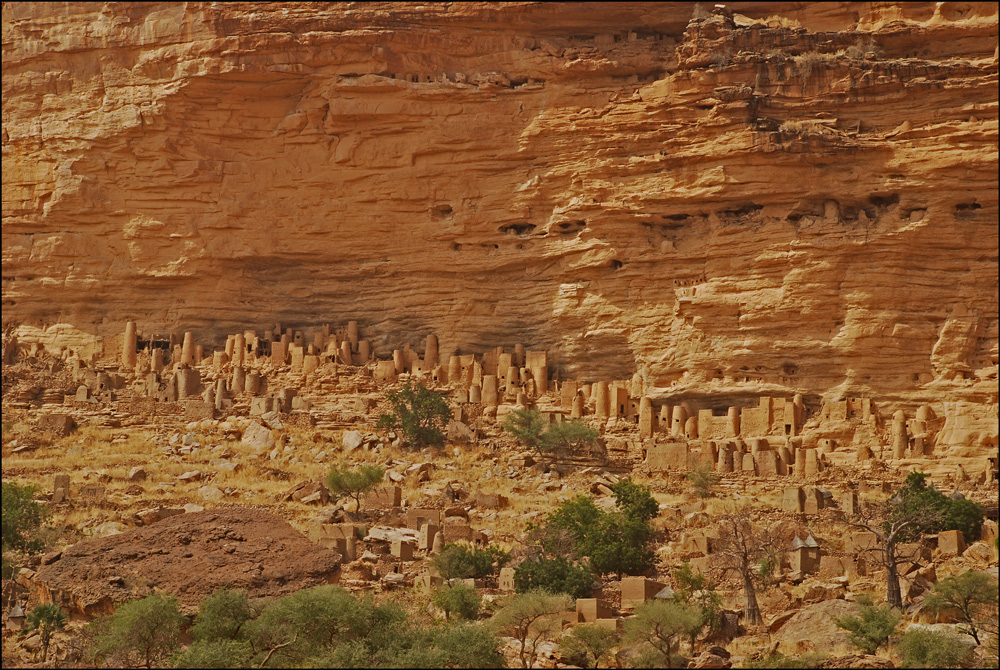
751	553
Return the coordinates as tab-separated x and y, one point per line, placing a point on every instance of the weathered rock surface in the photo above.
188	556
730	206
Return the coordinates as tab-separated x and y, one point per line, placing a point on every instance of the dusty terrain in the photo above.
763	238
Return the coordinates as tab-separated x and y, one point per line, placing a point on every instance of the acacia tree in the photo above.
354	483
973	594
750	553
527	618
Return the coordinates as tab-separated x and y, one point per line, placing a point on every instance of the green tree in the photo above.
936	511
586	644
568	435
46	619
140	633
872	626
557	574
343	482
22	517
460	599
222	616
972	594
459	561
526	426
695	588
419	413
703	478
927	648
529	619
218	653
657	630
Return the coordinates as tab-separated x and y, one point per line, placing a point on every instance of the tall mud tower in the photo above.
787	197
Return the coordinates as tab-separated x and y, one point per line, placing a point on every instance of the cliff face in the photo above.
726	203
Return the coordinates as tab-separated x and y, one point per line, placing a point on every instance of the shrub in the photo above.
46	619
140	633
928	648
587	644
353	483
529	428
702	478
214	654
915	498
222	616
694	588
773	659
459	561
871	627
658	628
462	600
973	594
556	574
526	426
419	413
22	517
525	617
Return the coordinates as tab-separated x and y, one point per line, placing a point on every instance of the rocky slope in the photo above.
800	197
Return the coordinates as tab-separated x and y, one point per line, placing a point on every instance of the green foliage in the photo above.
219	653
418	413
140	633
222	616
460	599
46	619
915	499
657	630
460	561
694	588
973	594
928	648
525	617
354	483
530	429
22	517
703	478
557	574
587	644
872	626
617	542
773	659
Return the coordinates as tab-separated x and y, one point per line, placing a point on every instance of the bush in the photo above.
555	574
222	616
353	483
928	648
22	517
46	619
140	633
973	594
525	617
526	426
462	600
871	627
658	628
214	654
459	561
418	413
702	478
529	428
773	659
917	499
586	644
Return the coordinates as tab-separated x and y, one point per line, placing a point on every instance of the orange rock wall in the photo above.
721	204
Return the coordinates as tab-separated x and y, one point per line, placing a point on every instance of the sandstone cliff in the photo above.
800	197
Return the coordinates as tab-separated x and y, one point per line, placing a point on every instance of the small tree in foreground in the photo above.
529	428
46	619
658	628
928	648
22	517
527	618
460	599
586	644
354	483
419	413
973	594
140	633
871	627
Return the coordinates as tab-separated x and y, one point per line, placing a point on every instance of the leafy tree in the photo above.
530	429
872	626
703	478
222	616
459	561
557	574
46	619
22	517
526	617
588	643
140	633
937	511
419	413
695	588
658	628
928	648
973	594
217	653
749	552
461	599
354	483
